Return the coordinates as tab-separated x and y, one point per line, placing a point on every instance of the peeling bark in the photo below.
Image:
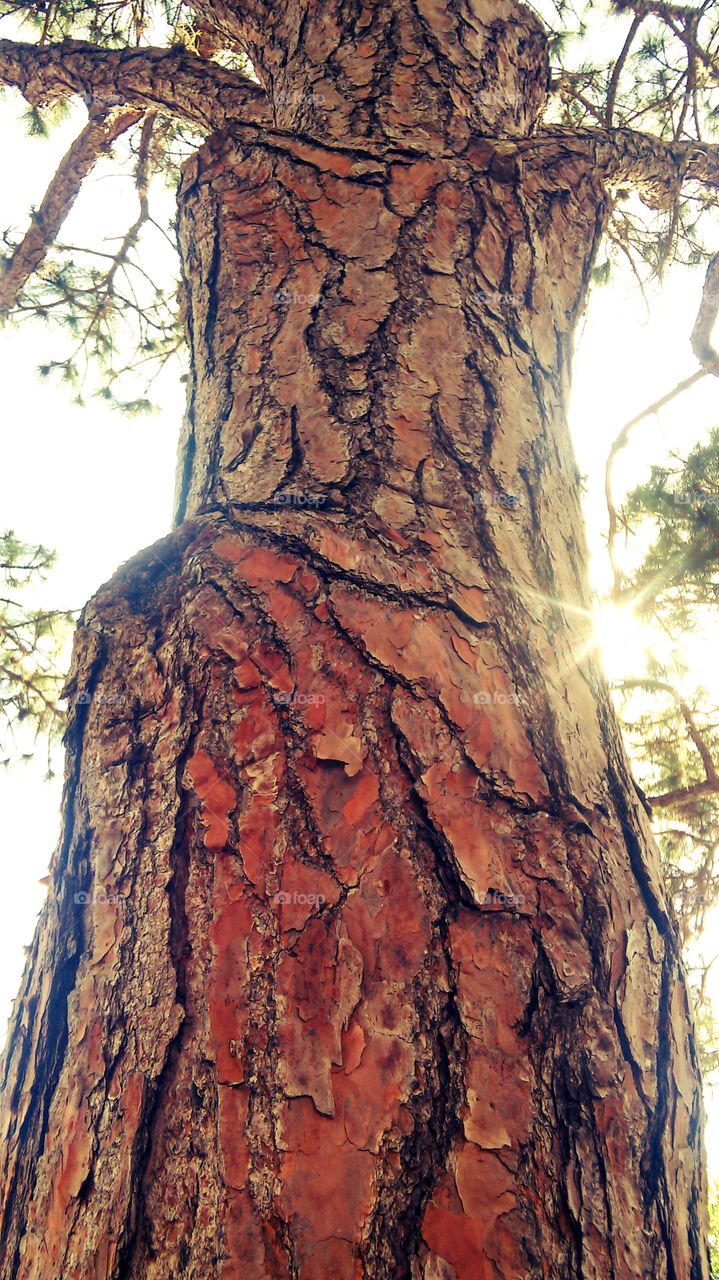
357	960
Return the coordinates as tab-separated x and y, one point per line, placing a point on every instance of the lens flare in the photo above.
621	639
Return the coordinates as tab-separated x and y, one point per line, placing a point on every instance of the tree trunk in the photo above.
357	960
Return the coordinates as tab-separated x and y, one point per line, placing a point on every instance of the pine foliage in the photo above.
31	648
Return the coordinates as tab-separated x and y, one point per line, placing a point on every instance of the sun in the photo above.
621	638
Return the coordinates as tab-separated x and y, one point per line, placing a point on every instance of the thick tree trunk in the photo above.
357	960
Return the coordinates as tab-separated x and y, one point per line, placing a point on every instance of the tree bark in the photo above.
357	959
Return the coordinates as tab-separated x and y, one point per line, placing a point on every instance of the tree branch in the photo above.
658	168
232	21
620	443
682	20
619	67
706	319
663	686
624	157
708	358
95	139
170	80
680	795
710	782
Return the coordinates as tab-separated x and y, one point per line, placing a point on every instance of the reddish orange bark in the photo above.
382	979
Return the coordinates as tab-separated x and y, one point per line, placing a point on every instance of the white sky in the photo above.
98	486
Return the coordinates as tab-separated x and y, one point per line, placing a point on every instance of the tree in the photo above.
357	958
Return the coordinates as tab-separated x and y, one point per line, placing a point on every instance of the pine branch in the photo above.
31	643
620	442
710	783
618	69
680	795
709	364
682	20
173	81
94	140
627	158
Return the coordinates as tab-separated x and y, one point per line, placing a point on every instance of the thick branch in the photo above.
660	9
171	80
95	138
232	22
657	169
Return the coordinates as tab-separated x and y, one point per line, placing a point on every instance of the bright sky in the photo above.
98	487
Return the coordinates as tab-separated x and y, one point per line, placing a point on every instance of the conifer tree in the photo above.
357	957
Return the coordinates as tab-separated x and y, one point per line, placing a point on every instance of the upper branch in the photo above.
682	20
171	80
95	139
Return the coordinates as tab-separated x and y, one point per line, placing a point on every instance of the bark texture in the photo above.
357	960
